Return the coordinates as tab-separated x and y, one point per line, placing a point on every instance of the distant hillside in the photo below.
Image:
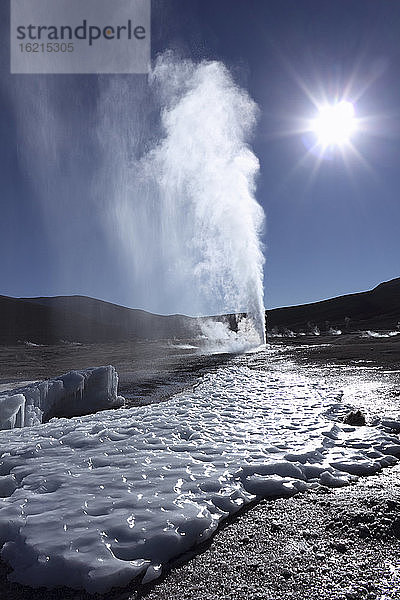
81	319
376	309
87	320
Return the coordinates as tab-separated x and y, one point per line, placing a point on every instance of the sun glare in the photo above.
335	124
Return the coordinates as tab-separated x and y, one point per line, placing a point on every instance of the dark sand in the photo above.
148	371
341	544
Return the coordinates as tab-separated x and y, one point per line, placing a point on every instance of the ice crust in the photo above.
380	334
96	501
73	394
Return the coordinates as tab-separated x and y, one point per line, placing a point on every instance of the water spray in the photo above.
202	174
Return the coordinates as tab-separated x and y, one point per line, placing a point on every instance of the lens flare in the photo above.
335	124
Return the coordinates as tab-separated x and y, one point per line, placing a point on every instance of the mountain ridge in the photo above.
376	308
49	320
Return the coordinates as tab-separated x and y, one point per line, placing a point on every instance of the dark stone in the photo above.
355	417
363	531
339	546
287	574
396	528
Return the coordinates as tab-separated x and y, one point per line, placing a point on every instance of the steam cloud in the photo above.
186	208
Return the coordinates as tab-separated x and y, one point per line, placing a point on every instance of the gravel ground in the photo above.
339	544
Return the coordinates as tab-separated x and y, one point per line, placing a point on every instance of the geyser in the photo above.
186	208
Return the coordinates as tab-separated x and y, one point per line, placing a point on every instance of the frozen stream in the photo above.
97	501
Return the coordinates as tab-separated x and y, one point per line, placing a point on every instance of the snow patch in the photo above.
96	501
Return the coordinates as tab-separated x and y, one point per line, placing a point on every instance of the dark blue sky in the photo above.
329	231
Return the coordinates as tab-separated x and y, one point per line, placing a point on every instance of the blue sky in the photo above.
330	230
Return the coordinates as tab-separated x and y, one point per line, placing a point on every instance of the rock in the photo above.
355	417
396	528
340	546
307	534
287	574
363	531
393	505
275	526
350	595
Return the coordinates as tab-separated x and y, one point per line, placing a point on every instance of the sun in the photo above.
335	124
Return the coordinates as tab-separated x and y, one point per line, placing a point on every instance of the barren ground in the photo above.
341	544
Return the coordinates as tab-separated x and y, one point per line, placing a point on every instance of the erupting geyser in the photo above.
186	206
205	174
